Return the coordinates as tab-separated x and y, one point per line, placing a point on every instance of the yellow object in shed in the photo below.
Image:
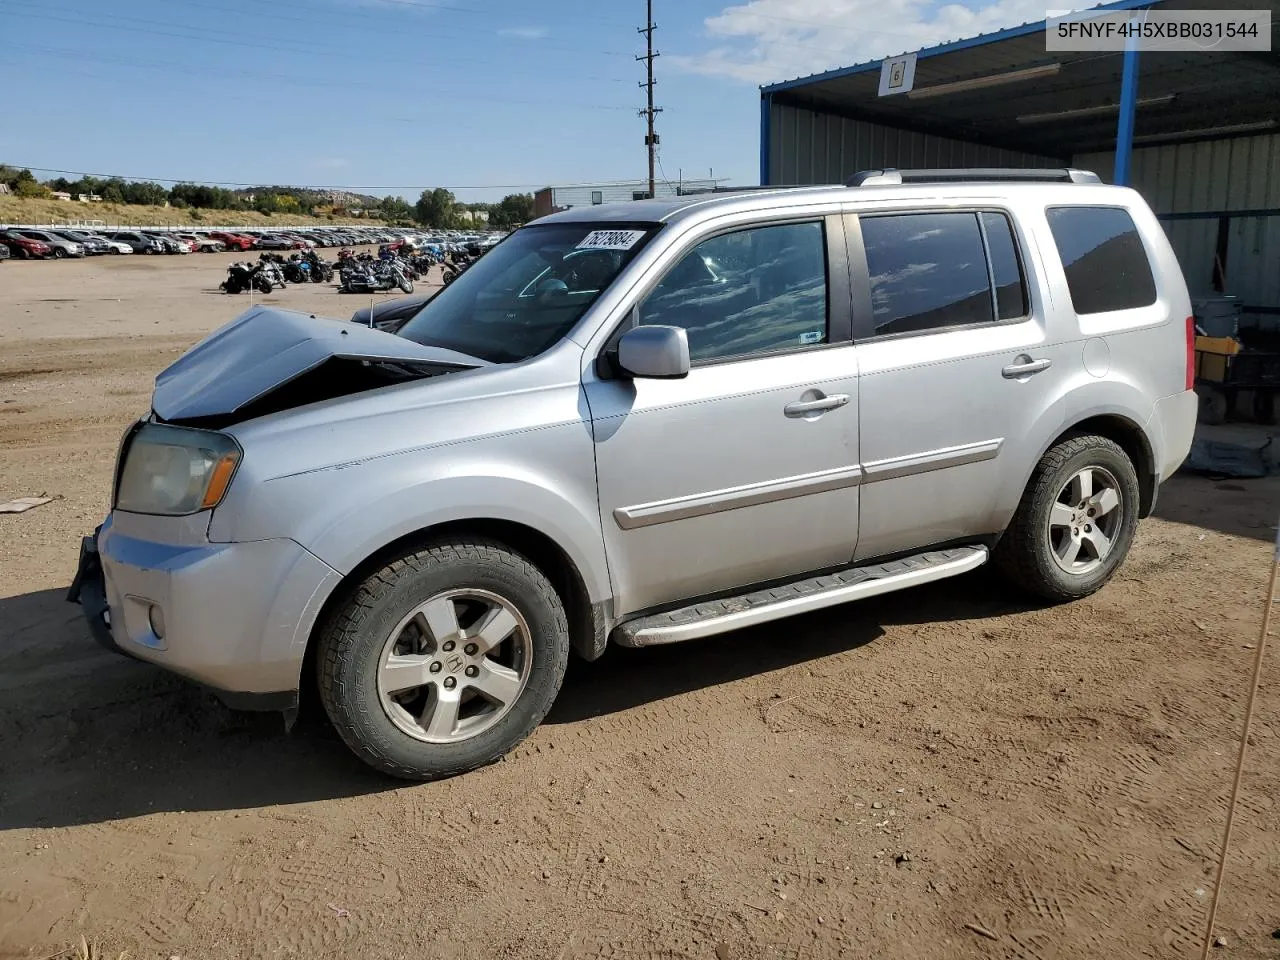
1226	346
1212	355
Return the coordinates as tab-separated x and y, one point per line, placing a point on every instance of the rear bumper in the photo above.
1173	427
234	617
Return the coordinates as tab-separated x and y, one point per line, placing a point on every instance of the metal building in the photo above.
552	199
1197	133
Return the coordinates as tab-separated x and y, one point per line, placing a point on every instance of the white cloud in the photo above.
765	41
524	33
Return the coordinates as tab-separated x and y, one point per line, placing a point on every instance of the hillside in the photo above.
34	211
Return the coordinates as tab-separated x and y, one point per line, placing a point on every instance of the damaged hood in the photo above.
235	371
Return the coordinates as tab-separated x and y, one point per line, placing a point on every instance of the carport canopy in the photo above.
1059	104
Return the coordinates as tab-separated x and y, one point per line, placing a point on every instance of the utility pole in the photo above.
650	111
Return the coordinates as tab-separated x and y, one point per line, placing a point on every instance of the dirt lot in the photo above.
858	783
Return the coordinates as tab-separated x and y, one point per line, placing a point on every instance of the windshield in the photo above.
527	292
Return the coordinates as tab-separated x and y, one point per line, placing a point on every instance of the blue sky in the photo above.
481	96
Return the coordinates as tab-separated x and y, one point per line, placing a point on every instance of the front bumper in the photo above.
232	616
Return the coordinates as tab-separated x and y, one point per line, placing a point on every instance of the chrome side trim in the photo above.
652	636
895	467
733	498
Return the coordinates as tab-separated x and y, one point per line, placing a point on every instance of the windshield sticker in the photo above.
611	239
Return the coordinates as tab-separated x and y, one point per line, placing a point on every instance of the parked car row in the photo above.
30	243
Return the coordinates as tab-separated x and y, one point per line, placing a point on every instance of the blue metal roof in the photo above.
950	47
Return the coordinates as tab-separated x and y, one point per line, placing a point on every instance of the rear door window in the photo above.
1103	257
935	271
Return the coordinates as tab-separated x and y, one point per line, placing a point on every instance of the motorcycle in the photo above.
244	276
272	270
366	277
454	266
320	270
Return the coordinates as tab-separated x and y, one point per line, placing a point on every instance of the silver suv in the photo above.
643	423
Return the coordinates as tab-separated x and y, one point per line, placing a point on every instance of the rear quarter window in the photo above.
1103	258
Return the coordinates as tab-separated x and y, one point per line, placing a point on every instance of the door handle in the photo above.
802	408
1024	366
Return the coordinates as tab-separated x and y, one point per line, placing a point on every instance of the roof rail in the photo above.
890	176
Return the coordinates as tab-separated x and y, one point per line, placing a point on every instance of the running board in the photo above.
854	583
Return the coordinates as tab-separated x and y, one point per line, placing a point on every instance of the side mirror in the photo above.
655	353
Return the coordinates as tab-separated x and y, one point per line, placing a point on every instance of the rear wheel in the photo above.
444	659
1213	405
1076	521
1264	406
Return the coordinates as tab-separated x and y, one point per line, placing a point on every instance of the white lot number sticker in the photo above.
611	239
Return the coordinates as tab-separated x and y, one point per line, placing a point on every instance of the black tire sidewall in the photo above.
1095	452
351	650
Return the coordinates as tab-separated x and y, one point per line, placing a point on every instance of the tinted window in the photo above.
748	292
1106	265
927	270
1011	294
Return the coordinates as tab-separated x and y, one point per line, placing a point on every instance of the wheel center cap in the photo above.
453	662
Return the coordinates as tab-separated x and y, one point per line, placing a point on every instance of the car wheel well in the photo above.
1133	441
588	629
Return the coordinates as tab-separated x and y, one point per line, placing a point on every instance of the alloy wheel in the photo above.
454	666
1084	520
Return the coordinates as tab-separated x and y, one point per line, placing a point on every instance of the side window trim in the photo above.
991	267
840	329
863	313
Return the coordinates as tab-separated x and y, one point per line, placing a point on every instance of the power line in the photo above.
187	70
205	34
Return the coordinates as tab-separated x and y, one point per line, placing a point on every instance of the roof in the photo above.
682	208
1181	95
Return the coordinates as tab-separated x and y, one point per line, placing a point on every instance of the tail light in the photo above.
1191	353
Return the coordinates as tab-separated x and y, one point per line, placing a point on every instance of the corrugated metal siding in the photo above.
1214	176
807	147
1238	174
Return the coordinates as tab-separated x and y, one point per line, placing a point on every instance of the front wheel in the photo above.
444	659
59	253
1076	521
405	284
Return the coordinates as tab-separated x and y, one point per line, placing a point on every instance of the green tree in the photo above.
24	183
112	190
395	208
436	208
144	193
513	210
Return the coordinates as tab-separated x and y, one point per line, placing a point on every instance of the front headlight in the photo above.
175	471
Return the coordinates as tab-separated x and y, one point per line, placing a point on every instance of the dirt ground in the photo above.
863	782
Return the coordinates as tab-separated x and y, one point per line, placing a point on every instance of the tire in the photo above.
364	630
1028	552
1213	406
406	285
1264	407
59	253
